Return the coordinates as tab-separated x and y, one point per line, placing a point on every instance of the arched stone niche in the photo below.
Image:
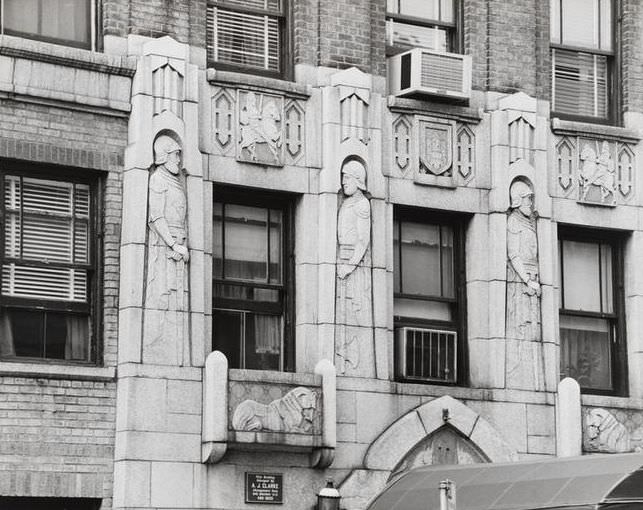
437	424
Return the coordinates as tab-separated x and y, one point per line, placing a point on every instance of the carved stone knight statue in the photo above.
354	304
523	322
166	292
523	285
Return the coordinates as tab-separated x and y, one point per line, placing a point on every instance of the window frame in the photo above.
612	69
617	319
458	325
285	40
93	307
92	22
267	200
455	37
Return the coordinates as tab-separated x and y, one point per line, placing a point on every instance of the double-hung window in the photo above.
48	266
582	58
66	22
428	297
247	35
427	24
592	343
252	281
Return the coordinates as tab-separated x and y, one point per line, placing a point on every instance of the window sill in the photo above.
572	127
253	81
611	401
40	51
430	107
57	371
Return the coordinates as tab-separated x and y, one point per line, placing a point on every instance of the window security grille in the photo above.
427	354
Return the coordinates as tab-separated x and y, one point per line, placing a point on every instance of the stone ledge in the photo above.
569	127
282	439
57	371
251	81
268	376
66	56
611	401
443	110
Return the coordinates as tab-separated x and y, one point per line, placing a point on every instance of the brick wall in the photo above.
511	56
184	20
57	437
305	27
58	434
632	55
348	34
476	40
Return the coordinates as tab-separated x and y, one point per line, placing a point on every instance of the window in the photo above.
421	23
247	35
428	297
67	22
253	281
592	340
582	56
48	266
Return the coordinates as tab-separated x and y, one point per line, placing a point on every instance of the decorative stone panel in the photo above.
595	171
280	411
223	106
432	151
612	430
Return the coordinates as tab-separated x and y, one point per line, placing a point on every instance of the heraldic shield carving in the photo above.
435	151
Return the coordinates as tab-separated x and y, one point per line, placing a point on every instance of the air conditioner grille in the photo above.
429	354
441	72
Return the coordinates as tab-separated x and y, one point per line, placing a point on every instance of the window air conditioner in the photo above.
427	354
421	71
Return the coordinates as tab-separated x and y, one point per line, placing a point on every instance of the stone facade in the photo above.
162	421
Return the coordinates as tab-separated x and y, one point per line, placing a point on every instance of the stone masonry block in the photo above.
172	485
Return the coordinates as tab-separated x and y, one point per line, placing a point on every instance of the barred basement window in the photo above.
427	24
429	297
48	267
247	35
582	56
66	22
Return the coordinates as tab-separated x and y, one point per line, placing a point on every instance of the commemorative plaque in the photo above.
264	488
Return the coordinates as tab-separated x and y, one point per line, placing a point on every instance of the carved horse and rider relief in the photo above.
597	171
260	122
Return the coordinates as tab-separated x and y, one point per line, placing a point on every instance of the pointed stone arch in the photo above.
388	451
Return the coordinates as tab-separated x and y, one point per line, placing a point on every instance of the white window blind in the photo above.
46	239
243	38
580	83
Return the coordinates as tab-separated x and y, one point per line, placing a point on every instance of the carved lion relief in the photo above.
602	432
294	412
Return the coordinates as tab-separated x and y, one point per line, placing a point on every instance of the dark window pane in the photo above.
246	293
276	232
581	283
585	351
422	309
67	337
217	241
421	259
246	250
263	342
227	334
25	333
21	15
396	257
448	289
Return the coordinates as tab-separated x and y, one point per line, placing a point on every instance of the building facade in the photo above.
251	246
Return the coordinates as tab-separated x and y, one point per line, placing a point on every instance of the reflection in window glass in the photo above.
581	289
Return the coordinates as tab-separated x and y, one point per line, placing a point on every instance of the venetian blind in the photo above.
243	38
580	83
46	246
